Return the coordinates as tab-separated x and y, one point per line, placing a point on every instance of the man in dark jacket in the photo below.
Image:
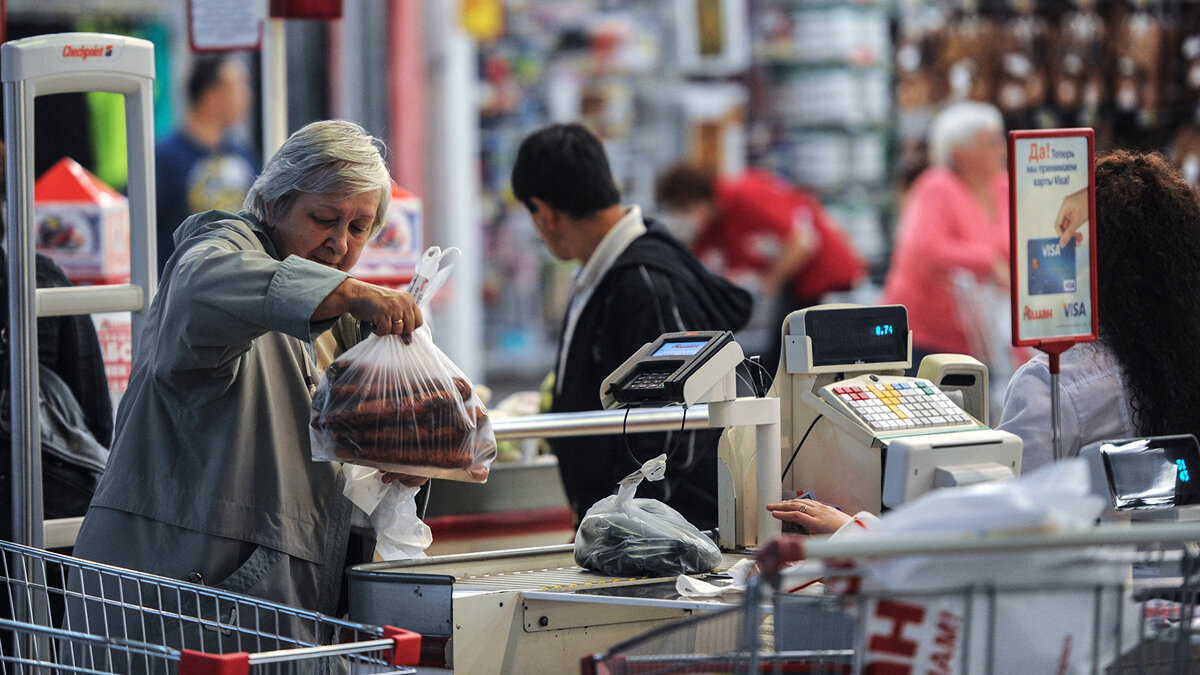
635	282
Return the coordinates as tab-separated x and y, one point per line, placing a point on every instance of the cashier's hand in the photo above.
406	479
814	516
1071	216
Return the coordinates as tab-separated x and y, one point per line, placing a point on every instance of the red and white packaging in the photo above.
81	223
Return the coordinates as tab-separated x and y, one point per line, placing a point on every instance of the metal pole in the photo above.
453	154
274	87
1055	430
600	422
22	327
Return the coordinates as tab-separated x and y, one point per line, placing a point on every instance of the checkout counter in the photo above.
534	610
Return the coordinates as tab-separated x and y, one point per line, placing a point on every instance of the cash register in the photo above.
859	434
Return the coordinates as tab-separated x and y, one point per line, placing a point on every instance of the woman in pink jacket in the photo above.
955	218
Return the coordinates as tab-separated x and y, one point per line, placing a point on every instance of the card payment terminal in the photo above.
686	367
1155	472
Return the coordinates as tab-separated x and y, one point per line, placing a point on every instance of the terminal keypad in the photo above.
649	380
902	405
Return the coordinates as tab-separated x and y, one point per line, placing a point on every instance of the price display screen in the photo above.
860	335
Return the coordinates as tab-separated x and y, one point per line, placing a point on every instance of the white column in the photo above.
452	196
274	87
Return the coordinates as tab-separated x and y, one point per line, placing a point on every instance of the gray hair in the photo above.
329	157
956	125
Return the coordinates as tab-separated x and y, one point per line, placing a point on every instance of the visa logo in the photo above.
1074	309
1051	250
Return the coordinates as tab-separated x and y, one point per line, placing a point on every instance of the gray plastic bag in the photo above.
623	536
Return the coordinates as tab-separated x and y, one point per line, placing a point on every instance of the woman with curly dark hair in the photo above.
1140	378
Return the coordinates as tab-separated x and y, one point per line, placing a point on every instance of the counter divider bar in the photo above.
639	420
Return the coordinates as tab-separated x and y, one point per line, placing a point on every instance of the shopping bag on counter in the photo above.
1041	608
623	536
404	406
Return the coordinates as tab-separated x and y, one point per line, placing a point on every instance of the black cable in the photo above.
748	382
625	436
422	498
679	435
797	450
770	379
670	453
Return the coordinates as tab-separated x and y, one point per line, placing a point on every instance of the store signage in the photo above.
224	25
1053	234
85	52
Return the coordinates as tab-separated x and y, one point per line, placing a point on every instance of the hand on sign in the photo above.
1071	216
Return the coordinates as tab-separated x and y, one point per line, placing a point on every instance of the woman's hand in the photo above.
1071	216
406	479
814	516
390	312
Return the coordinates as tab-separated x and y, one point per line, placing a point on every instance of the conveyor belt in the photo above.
566	579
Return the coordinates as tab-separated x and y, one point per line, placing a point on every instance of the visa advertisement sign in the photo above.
1053	236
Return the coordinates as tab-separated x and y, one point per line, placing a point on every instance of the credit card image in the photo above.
1051	267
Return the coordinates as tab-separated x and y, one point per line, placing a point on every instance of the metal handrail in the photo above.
599	422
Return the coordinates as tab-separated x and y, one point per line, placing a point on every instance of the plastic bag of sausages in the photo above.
403	406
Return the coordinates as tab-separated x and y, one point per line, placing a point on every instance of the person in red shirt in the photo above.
954	221
761	231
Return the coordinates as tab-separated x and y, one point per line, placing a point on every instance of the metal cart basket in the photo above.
1118	600
65	615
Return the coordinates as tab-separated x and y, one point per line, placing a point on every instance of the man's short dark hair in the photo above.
205	74
682	185
565	166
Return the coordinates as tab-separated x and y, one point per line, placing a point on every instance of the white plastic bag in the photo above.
1046	617
390	509
623	536
404	406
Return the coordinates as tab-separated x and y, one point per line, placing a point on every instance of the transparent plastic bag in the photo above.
403	406
623	536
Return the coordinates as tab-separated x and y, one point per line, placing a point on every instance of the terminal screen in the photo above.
687	348
1154	472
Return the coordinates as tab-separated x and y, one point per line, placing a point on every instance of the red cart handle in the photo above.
199	663
407	649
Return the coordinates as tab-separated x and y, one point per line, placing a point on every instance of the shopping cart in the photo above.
1113	601
65	615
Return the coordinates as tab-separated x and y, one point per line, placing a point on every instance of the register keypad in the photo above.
900	406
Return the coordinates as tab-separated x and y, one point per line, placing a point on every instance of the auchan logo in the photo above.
1031	314
84	52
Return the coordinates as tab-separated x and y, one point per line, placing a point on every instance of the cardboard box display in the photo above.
81	223
391	257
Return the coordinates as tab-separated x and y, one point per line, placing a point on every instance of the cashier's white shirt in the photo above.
1093	404
628	228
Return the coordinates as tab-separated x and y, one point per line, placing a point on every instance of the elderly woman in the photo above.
211	477
954	218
